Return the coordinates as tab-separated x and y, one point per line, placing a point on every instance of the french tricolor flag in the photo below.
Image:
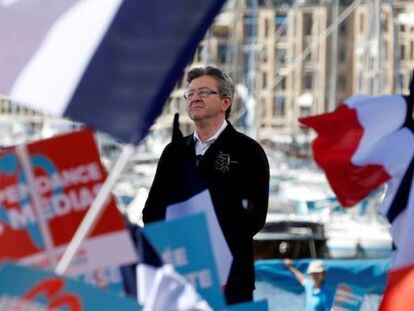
365	142
108	63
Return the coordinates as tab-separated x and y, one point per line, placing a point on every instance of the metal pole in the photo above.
377	76
36	201
334	58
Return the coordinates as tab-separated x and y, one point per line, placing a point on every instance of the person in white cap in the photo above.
318	296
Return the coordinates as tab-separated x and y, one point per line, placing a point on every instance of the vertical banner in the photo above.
185	244
67	175
33	289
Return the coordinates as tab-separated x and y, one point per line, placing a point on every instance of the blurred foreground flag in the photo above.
110	64
24	289
66	186
189	255
400	290
159	286
365	142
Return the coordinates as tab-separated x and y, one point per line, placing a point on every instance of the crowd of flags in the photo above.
112	65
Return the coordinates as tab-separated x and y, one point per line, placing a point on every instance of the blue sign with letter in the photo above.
185	244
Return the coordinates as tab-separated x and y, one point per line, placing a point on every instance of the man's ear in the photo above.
227	103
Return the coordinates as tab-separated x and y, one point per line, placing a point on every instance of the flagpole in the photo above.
94	212
35	196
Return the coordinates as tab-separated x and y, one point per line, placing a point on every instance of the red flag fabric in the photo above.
399	294
339	135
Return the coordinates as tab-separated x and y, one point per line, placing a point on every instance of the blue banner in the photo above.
23	288
277	284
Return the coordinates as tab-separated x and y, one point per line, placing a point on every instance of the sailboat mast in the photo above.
334	58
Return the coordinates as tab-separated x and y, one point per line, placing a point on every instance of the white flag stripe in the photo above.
173	292
386	143
24	38
202	203
145	281
379	116
394	153
397	145
68	47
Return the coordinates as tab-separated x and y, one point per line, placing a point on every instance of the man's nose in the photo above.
196	95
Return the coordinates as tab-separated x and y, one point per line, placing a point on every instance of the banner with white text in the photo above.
67	176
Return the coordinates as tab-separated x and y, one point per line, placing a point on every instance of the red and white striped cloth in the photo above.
365	142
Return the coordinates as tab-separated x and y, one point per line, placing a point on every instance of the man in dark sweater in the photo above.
233	167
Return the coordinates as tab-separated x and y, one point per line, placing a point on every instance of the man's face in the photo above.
209	108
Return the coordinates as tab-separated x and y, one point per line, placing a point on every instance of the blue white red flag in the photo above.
110	64
365	142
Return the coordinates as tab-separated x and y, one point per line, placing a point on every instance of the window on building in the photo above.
385	50
281	56
412	50
342	56
264	80
384	22
222	52
402	51
402	27
250	24
361	23
266	27
281	85
265	54
343	29
279	106
280	20
401	79
308	57
307	24
308	81
263	109
281	24
341	82
304	111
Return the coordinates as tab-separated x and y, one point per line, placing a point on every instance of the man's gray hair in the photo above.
224	82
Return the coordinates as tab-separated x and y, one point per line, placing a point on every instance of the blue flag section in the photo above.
185	244
138	63
32	289
357	277
110	64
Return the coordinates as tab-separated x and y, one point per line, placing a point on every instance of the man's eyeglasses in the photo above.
202	93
